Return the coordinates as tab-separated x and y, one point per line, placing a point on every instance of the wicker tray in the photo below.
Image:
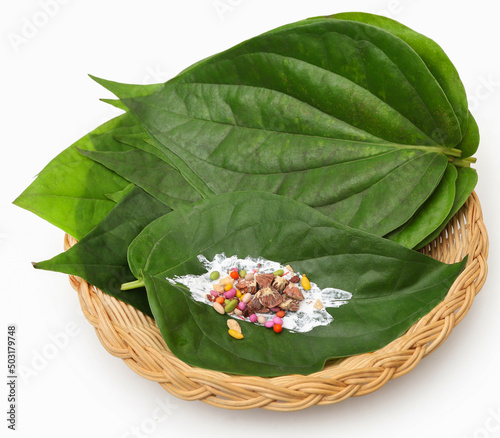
134	337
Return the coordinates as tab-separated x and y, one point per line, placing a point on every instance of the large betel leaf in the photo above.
439	65
340	115
431	214
71	192
470	142
392	286
127	152
464	185
431	53
101	256
134	156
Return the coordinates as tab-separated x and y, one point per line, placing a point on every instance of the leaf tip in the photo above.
117	103
112	86
16	201
95	78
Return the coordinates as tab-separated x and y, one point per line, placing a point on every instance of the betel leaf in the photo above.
431	54
341	115
142	168
126	155
392	286
439	65
118	196
432	213
465	183
101	256
470	142
74	192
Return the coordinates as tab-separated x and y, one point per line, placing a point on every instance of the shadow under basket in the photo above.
134	337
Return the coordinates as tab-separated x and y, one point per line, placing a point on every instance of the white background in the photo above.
48	102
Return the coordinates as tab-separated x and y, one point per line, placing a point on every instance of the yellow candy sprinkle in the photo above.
235	334
304	281
228	287
238	293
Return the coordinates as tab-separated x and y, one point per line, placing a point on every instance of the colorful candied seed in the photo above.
232	324
231	293
231	306
218	308
277	328
304	281
278	320
235	334
246	298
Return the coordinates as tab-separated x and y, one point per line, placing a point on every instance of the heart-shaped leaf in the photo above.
392	286
101	256
341	115
71	192
127	152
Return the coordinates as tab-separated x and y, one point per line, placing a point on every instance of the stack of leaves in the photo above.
339	145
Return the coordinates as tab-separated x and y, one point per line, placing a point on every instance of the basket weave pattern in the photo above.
134	337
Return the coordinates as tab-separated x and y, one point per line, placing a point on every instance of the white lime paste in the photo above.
304	320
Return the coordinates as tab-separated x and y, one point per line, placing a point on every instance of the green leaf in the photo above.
392	286
101	256
341	115
142	168
470	142
439	65
432	213
430	52
74	192
465	183
125	90
118	196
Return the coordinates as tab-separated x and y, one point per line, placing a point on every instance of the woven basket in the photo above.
134	337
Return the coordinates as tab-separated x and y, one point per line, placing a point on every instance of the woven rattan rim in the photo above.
134	337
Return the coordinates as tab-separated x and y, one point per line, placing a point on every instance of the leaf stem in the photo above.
450	152
132	285
465	162
454	152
